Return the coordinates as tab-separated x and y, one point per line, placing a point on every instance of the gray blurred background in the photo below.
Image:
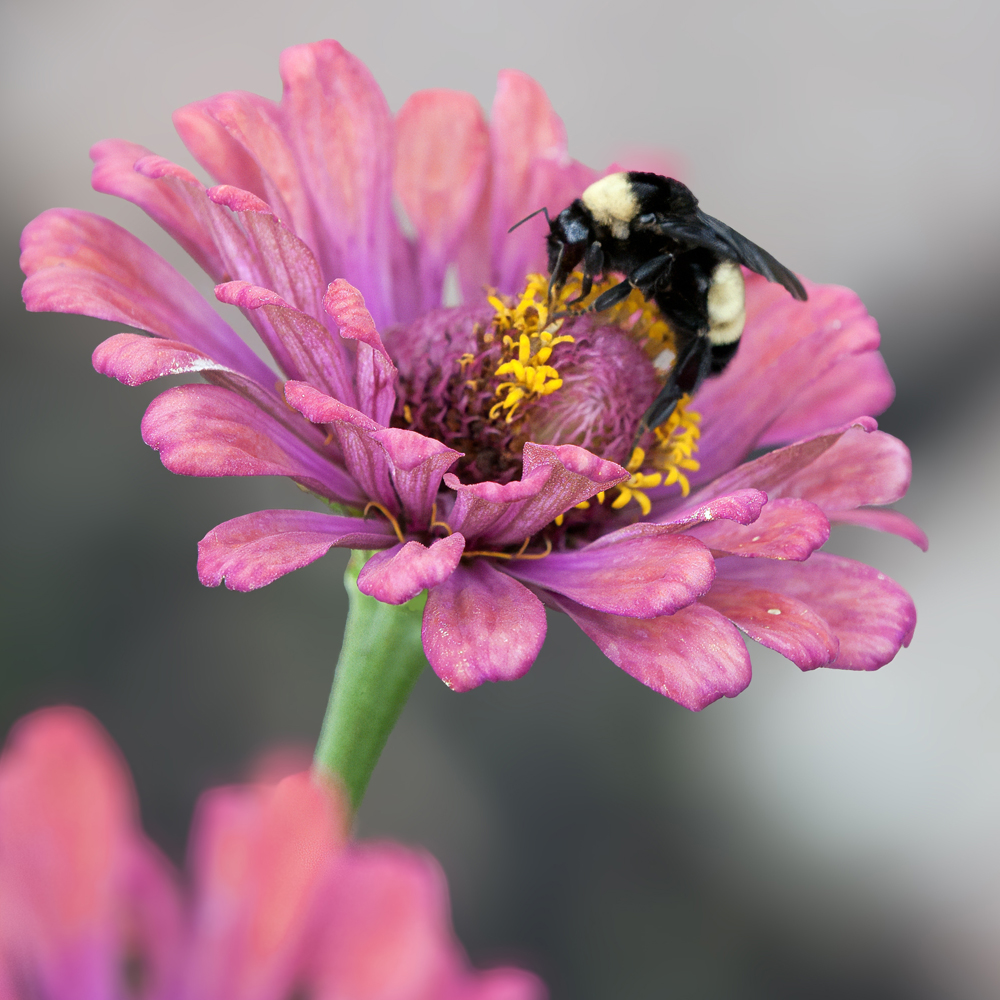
823	835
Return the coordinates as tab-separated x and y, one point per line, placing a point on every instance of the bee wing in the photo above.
703	230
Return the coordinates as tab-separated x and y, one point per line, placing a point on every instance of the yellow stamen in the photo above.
392	520
528	339
407	413
521	554
676	443
435	523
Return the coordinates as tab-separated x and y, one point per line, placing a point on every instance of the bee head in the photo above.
570	233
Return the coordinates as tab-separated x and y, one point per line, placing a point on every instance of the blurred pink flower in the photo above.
279	905
362	418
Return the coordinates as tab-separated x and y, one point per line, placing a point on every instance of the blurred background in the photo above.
823	835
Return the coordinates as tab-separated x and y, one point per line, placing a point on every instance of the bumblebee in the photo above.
650	229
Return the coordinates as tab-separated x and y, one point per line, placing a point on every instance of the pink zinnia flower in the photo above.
279	903
493	443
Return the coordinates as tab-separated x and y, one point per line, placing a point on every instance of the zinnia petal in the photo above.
400	573
643	571
340	128
77	262
777	621
254	550
693	656
871	615
788	528
480	625
442	169
205	430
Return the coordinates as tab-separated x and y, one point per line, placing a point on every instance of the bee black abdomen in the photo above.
722	354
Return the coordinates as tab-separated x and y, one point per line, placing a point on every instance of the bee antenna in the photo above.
540	211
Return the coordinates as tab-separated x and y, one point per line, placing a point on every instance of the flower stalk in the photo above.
380	660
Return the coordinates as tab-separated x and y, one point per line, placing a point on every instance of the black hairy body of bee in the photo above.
650	229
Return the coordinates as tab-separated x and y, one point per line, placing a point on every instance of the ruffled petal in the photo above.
114	173
554	478
400	573
871	615
788	347
340	128
642	571
480	625
417	464
777	621
261	857
787	528
374	373
263	251
304	347
252	551
205	430
531	169
442	168
770	472
882	520
693	656
76	262
364	456
238	138
742	506
860	468
133	359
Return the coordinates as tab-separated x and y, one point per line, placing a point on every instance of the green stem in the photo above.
380	660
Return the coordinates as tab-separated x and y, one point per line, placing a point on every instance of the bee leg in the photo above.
649	276
593	265
612	296
693	364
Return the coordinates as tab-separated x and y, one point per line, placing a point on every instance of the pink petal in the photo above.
871	615
770	472
77	262
340	128
777	621
302	345
531	169
114	173
134	359
882	520
69	821
384	929
642	571
480	625
787	528
860	468
417	464
238	138
442	167
856	383
693	656
742	506
254	550
554	478
374	373
787	348
364	456
205	430
265	252
261	858
400	573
